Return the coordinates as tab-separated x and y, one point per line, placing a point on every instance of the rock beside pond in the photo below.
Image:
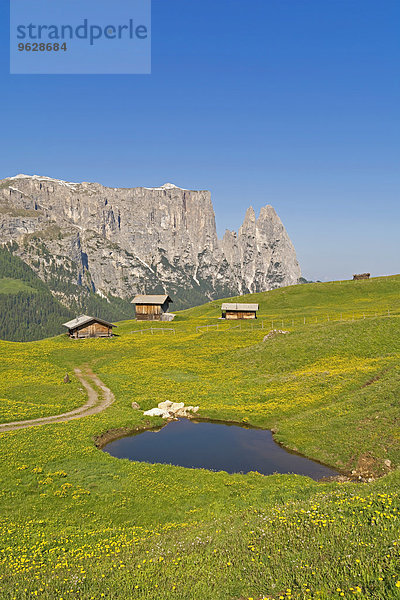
135	406
185	411
171	406
165	405
171	410
156	412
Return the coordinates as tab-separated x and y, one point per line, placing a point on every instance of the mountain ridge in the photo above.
117	242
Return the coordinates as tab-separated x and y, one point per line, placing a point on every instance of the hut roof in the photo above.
83	320
239	307
151	299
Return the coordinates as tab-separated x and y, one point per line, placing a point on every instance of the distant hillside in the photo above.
316	300
29	310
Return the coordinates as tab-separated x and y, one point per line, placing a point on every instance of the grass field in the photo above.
77	523
13	286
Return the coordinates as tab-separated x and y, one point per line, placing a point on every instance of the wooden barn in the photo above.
239	311
151	307
361	276
89	327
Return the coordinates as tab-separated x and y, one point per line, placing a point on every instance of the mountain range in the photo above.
86	242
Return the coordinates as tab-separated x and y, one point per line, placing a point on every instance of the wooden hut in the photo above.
89	327
239	311
361	276
151	307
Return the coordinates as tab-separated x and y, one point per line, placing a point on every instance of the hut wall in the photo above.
230	314
151	312
156	317
93	330
148	309
148	312
165	307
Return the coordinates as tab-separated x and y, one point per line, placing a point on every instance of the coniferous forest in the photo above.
29	311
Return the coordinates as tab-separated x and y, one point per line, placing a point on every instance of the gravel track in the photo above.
94	404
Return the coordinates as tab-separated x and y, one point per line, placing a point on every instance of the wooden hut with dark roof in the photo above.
89	327
151	307
235	310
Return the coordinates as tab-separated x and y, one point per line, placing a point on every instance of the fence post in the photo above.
304	320
282	323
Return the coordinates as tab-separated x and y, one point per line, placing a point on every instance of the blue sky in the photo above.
293	103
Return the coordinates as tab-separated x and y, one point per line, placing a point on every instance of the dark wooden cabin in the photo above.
239	311
151	307
89	327
361	276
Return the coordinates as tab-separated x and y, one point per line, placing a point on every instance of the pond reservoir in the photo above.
215	446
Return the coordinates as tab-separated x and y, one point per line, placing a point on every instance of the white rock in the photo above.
273	333
165	405
155	412
175	406
181	412
171	410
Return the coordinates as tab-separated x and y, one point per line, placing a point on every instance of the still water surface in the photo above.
215	446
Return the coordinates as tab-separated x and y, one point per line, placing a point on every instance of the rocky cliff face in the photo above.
117	242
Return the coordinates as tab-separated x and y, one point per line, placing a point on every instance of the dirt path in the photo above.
93	405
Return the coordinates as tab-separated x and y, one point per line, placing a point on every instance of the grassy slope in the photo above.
317	300
13	286
131	530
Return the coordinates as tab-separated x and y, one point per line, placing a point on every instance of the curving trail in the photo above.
93	405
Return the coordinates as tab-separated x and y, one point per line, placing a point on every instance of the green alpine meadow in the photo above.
320	367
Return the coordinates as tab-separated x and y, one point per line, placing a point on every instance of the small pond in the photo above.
217	447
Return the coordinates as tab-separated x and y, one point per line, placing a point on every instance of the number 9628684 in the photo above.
42	47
